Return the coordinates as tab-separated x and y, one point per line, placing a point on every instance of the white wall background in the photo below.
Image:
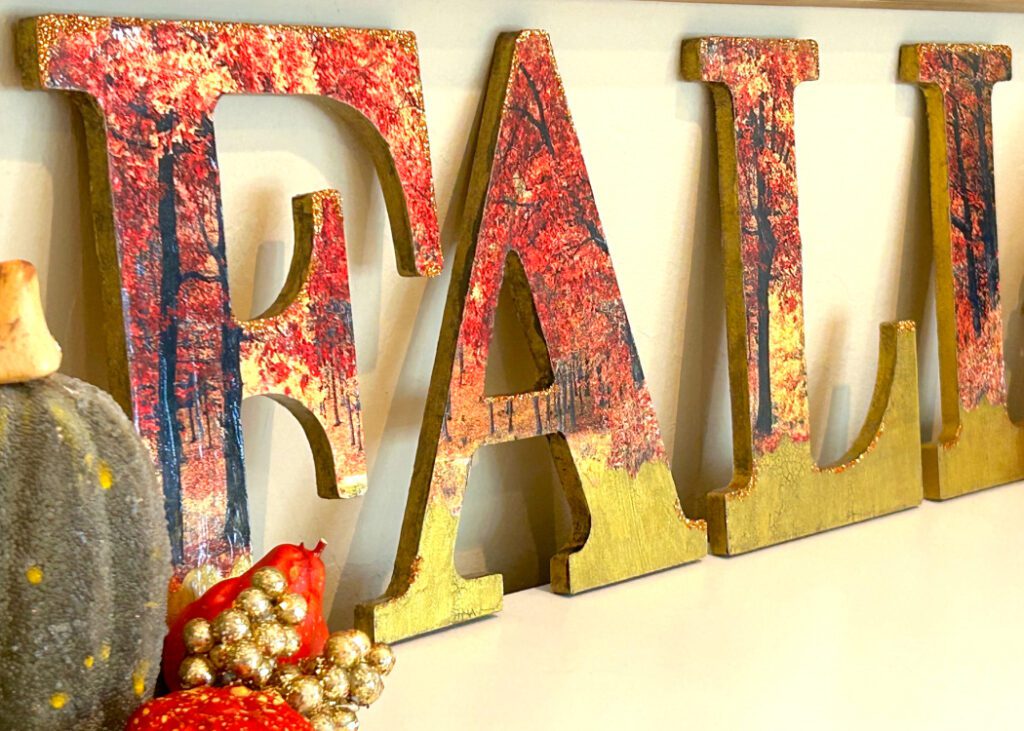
648	141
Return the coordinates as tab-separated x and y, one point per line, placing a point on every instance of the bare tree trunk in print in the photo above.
236	518
167	353
351	420
358	409
988	196
236	523
334	402
209	426
191	408
766	257
572	398
200	410
634	358
966	227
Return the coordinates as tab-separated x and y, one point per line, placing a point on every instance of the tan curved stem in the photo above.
27	349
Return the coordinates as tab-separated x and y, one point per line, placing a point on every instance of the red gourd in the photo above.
218	709
304	571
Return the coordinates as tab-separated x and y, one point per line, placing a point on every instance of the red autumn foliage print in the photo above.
761	77
152	87
540	221
965	75
302	351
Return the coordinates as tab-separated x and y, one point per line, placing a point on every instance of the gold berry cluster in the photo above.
329	688
246	645
241	644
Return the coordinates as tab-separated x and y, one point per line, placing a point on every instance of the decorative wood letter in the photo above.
531	219
778	492
182	362
979	446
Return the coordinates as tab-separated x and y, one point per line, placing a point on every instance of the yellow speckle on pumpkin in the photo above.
104	652
106	477
58	700
139	677
89	661
34	574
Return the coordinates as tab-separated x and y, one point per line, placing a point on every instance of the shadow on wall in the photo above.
47	148
1014	350
916	299
258	413
702	452
1011	254
836	417
515	516
361	533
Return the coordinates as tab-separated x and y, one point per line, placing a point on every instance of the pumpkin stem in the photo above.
27	350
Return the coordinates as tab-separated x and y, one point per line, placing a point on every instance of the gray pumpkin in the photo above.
84	560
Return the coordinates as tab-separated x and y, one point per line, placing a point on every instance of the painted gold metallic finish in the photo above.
778	492
979	446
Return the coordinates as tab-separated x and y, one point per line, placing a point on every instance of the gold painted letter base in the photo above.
788	496
987	450
604	551
436	595
621	507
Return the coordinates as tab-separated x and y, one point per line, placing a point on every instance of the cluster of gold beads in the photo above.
247	643
329	689
242	644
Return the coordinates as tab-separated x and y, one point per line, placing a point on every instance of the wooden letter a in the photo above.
531	217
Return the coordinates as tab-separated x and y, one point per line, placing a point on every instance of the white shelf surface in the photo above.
912	621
